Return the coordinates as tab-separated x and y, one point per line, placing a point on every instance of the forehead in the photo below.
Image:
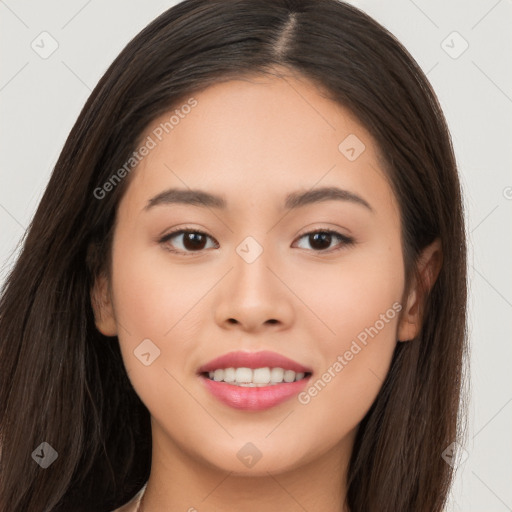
256	139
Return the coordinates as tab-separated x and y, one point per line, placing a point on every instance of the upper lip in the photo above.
253	360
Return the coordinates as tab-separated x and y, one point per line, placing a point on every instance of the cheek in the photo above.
351	294
355	366
153	297
359	302
154	301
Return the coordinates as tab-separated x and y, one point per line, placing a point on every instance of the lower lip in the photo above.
256	398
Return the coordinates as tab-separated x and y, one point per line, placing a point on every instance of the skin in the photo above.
253	142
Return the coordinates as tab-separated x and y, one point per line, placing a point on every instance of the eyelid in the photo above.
334	231
181	230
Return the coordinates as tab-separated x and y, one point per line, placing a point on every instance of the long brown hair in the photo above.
64	383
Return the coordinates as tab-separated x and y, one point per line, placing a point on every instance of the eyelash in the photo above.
345	240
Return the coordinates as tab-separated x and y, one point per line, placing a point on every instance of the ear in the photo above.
101	302
429	264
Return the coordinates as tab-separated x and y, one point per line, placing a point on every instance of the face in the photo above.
317	279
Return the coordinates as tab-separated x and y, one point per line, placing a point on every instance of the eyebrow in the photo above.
293	200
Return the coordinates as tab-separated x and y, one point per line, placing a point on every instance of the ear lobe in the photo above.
428	266
101	302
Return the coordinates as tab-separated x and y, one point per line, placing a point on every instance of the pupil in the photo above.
323	237
193	241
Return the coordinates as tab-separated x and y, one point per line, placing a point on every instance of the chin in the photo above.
256	458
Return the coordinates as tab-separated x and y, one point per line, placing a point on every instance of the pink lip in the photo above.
253	398
253	360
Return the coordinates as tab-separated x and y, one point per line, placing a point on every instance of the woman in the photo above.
309	354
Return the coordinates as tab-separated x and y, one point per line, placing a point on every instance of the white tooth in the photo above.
243	375
261	376
289	376
255	378
276	375
229	375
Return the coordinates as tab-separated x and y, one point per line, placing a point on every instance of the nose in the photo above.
253	297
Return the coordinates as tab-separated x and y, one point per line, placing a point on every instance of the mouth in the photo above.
254	381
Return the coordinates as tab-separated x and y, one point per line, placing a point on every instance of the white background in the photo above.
41	98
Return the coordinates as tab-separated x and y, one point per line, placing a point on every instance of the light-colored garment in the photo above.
132	505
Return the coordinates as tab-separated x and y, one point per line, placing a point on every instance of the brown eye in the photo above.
321	240
194	241
186	241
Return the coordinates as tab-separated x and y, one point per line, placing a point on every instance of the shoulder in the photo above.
131	506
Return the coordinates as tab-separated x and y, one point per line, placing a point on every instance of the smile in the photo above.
253	381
